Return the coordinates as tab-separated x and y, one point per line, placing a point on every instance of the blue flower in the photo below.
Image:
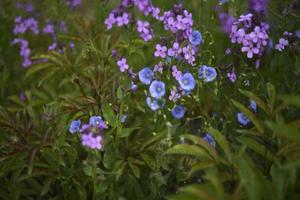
95	120
178	112
209	139
187	82
146	75
195	38
152	103
207	73
253	105
123	118
242	119
75	126
157	89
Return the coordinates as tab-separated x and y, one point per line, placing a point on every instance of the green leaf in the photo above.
126	132
187	149
202	143
291	100
285	131
255	146
46	186
272	95
258	100
37	67
108	114
135	169
221	140
250	115
201	166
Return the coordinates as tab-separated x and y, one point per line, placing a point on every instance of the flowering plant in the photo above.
141	99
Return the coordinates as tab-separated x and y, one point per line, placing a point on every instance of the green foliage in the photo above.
151	155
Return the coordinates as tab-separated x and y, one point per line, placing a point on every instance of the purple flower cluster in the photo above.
73	3
121	19
284	41
252	38
22	25
178	21
226	21
122	63
24	51
258	6
143	27
27	7
92	133
282	44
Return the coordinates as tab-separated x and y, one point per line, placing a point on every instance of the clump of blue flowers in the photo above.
146	75
187	82
209	139
196	38
242	119
178	111
207	73
157	89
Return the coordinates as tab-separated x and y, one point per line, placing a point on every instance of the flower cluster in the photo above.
24	51
115	17
283	42
22	25
143	27
92	133
184	47
73	3
178	21
258	6
252	38
226	21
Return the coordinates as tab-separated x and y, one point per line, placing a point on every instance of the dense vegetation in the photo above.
142	99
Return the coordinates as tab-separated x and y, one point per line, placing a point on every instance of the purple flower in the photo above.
174	96
282	44
52	46
146	75
161	51
143	27
242	119
133	87
91	141
189	54
176	73
158	68
122	64
187	82
75	126
110	21
178	111
157	89
232	76
258	6
207	73
123	20
49	29
226	22
73	3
